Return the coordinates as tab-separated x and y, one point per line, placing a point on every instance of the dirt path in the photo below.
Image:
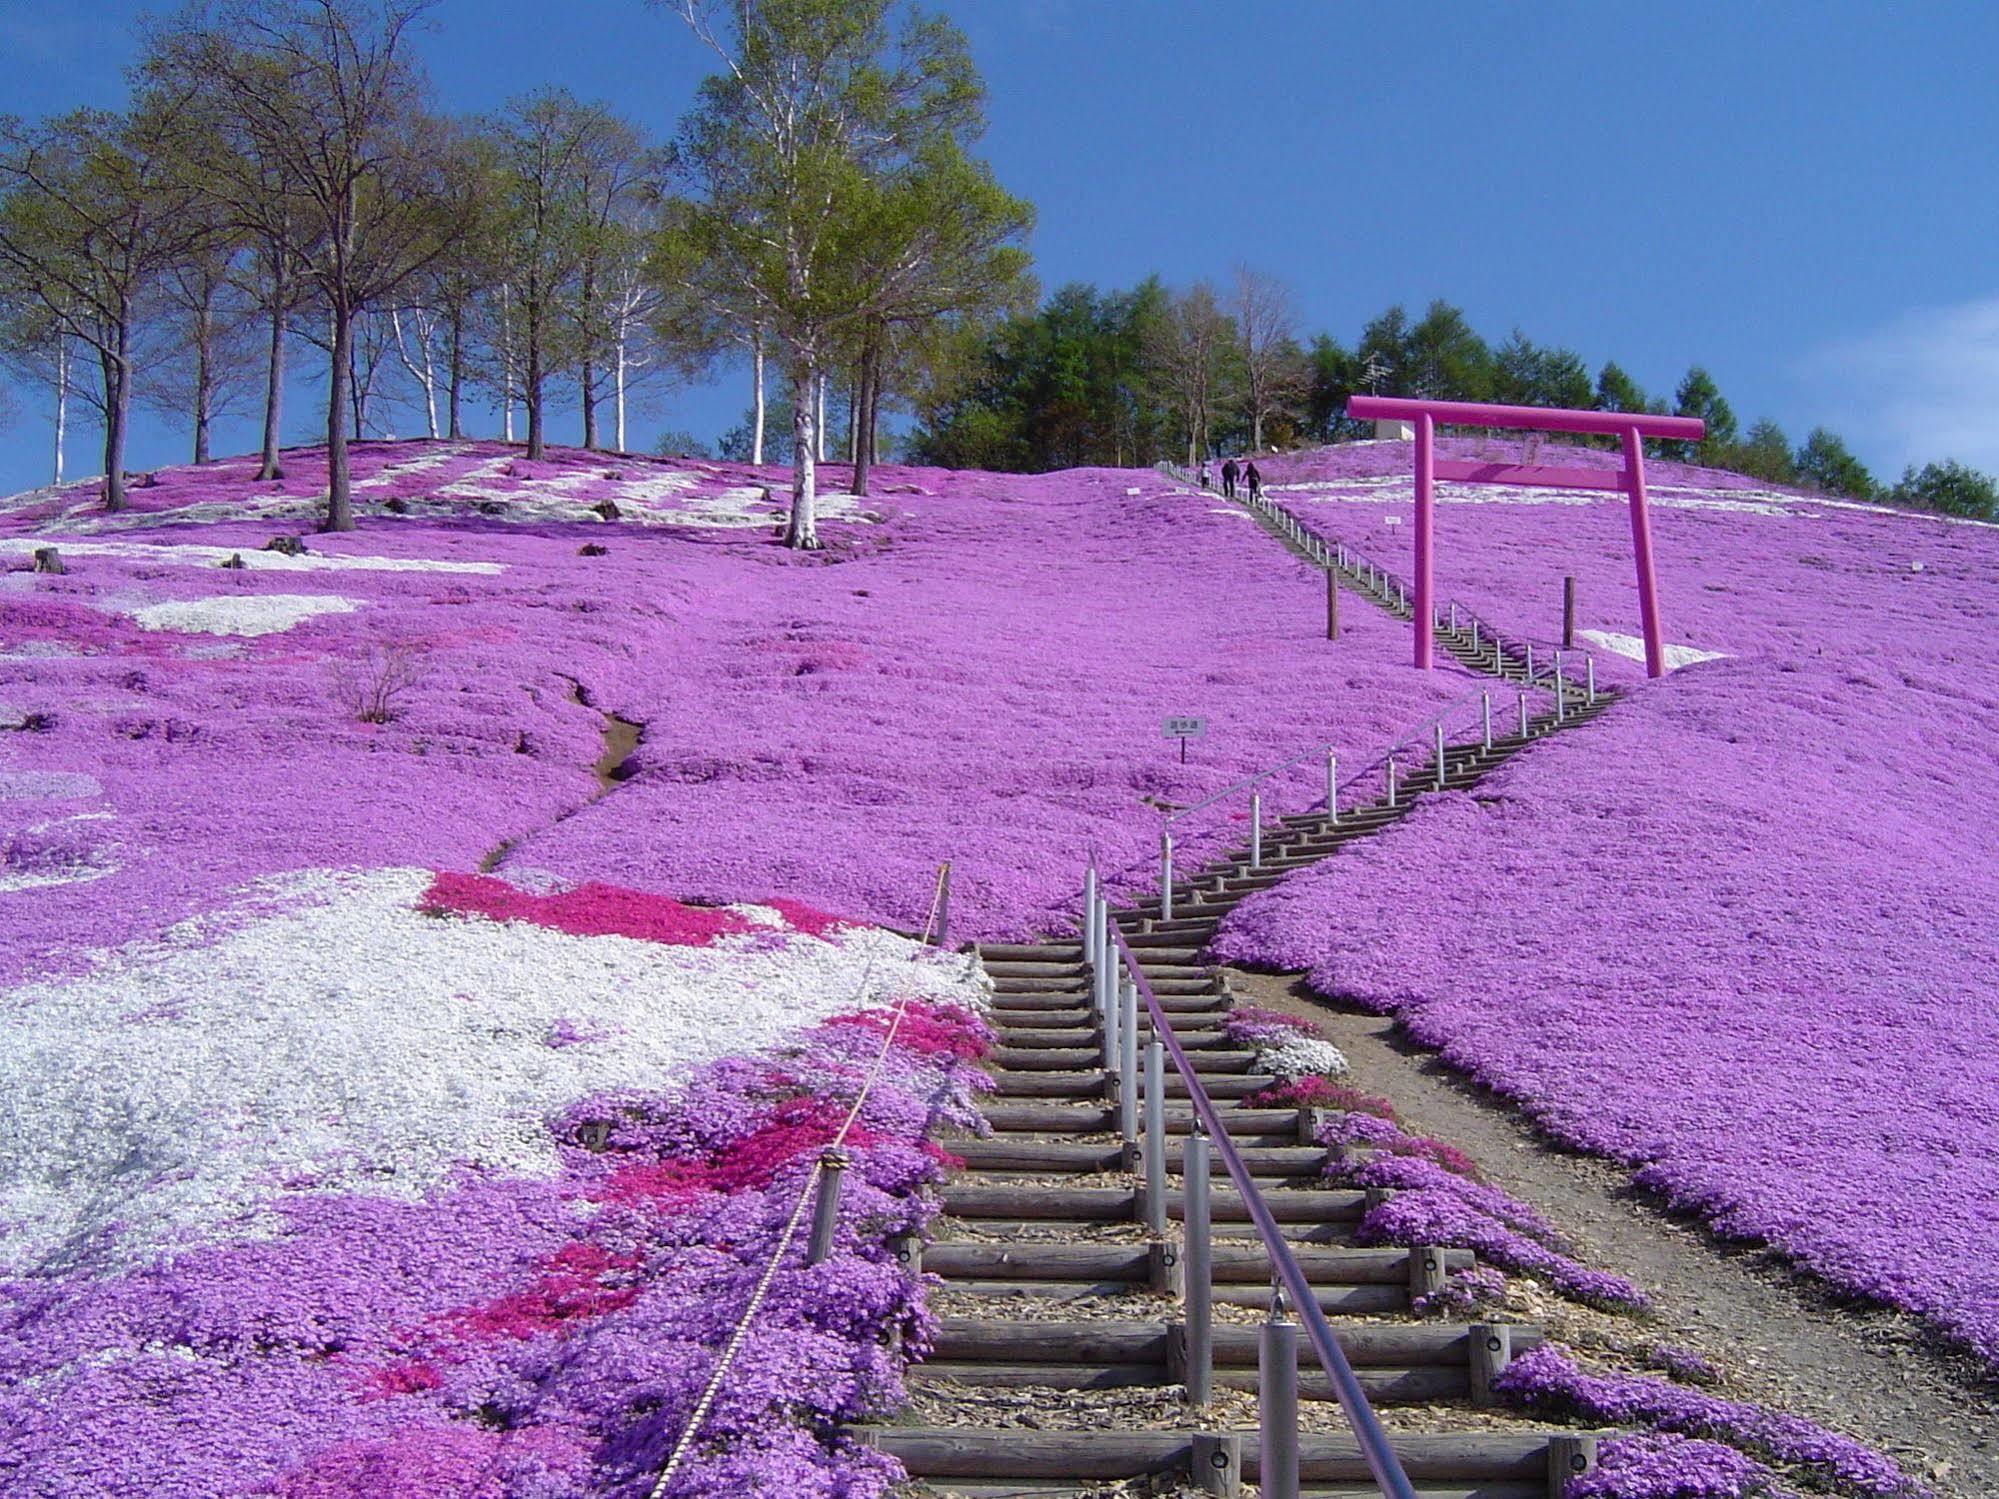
621	737
1873	1373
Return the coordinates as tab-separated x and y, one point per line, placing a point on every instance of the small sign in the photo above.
1183	728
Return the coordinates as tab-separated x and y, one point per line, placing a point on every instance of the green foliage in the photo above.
1617	391
1059	388
1950	488
677	444
1699	396
1764	454
1823	463
1525	374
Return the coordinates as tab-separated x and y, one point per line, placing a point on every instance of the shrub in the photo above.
374	687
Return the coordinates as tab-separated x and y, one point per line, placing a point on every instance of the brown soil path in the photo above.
1876	1374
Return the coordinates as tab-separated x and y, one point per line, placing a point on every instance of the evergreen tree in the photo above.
1765	454
1617	391
1950	488
1823	463
1699	396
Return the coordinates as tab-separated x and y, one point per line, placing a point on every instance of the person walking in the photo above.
1204	474
1228	477
1253	479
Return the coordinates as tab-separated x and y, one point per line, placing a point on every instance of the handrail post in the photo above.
944	906
1589	663
1256	830
1485	717
1474	634
1560	715
1198	1263
826	1210
1108	1014
1155	1139
1165	876
1391	780
1440	756
1530	663
1524	723
1127	1098
1332	787
1090	914
1277	1401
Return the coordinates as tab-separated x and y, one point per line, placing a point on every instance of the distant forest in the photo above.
1134	377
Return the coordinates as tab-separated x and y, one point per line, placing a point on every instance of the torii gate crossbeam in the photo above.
1630	426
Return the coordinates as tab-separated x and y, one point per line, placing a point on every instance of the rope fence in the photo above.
831	1161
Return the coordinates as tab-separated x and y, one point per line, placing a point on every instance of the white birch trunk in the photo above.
618	419
757	397
804	529
506	363
819	422
62	399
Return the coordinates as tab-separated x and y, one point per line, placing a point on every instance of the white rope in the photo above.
685	1442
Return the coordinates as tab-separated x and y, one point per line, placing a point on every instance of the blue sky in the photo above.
1800	196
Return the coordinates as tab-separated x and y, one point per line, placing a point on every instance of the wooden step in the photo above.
1207	1063
1050	1158
1119	1204
1081	1034
1522	1458
1090	1084
1083	1119
1129	1264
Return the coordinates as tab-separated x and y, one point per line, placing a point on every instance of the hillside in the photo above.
1738	936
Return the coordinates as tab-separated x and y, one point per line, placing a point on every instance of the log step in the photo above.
1172	1004
1423	1385
1285	1158
1090	1084
1118	1204
1080	1034
968	1340
1085	1119
1479	1458
1207	1063
1129	1265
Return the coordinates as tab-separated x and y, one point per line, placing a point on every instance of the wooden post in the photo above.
1569	613
1165	1274
1217	1463
908	1252
1332	605
1491	1352
1426	1271
1569	1457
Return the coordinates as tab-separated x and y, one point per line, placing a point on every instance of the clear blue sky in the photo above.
1801	196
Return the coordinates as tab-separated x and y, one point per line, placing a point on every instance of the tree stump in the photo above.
49	560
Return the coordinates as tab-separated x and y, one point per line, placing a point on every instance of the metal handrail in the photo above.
1373	1439
1245	784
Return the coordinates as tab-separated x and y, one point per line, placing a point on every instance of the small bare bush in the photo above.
375	687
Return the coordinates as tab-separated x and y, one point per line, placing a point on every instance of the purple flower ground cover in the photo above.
1738	933
976	669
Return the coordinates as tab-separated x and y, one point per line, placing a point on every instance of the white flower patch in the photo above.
1302	1056
253	560
1631	646
328	1037
37	785
241	614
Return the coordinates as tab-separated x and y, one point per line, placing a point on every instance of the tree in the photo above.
1950	488
1617	391
37	348
619	184
1699	396
1823	463
208	357
1526	374
365	180
92	213
1192	352
1445	358
1765	454
818	105
1273	375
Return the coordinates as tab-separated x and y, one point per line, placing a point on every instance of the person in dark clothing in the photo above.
1253	479
1228	477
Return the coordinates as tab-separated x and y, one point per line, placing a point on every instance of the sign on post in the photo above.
1183	729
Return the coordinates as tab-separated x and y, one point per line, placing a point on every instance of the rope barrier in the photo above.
685	1442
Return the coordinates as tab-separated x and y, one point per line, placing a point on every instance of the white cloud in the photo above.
1926	386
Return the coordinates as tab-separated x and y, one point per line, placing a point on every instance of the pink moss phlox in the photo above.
1319	1091
1660	1465
1252	1025
1547	1379
589	910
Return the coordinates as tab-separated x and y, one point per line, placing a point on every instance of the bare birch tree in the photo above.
1273	369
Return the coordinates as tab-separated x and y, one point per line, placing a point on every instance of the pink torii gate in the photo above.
1631	426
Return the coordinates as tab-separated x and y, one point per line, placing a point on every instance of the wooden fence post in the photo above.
1569	613
1332	605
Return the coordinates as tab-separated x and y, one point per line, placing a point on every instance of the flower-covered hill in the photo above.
1738	934
975	669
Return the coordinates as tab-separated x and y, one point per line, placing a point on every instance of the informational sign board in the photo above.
1183	728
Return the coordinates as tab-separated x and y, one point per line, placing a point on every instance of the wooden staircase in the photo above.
1051	1290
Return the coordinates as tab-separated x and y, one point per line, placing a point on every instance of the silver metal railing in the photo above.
1118	985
